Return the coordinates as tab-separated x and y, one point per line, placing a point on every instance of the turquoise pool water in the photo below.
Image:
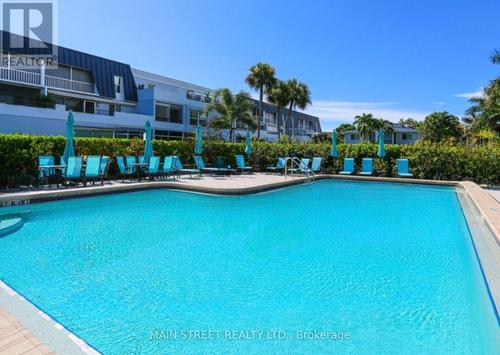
377	267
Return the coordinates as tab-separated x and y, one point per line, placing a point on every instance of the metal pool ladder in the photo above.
296	164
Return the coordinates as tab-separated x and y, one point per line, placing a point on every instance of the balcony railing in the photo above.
19	76
30	78
66	84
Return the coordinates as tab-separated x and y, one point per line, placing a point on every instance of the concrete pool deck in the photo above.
26	329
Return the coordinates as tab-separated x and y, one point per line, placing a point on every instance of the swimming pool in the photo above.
331	266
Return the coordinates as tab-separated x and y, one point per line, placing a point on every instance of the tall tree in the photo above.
261	78
386	125
409	123
344	127
440	126
485	110
365	123
495	57
279	96
232	111
299	97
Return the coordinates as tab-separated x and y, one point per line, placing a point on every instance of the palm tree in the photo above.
233	111
261	78
365	124
280	97
299	97
386	125
495	57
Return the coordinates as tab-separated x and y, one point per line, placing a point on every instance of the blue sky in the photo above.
391	58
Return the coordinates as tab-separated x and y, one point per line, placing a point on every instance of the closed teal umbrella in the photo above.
148	146
248	144
334	153
69	149
198	148
381	138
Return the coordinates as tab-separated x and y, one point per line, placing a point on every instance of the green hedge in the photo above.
18	155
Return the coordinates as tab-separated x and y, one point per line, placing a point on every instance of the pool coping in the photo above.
49	336
487	208
35	196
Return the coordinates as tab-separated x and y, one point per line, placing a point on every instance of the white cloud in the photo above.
337	111
470	95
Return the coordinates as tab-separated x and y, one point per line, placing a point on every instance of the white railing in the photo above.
66	84
30	78
19	76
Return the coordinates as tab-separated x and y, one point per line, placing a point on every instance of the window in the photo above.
73	105
169	113
407	136
270	117
118	84
196	117
353	137
168	135
197	96
162	113
128	134
89	107
93	132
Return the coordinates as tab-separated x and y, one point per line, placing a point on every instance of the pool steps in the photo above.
10	225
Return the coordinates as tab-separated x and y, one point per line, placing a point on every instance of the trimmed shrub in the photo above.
18	156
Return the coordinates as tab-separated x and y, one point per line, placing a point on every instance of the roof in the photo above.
103	70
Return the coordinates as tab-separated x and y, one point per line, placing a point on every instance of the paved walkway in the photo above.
495	192
15	339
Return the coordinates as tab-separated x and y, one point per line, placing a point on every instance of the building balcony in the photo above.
53	82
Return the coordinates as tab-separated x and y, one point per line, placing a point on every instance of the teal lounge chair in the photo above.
123	169
200	164
366	167
153	167
103	170
73	170
45	173
62	162
130	159
169	166
402	168
279	167
93	169
316	164
241	166
181	170
304	164
348	166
